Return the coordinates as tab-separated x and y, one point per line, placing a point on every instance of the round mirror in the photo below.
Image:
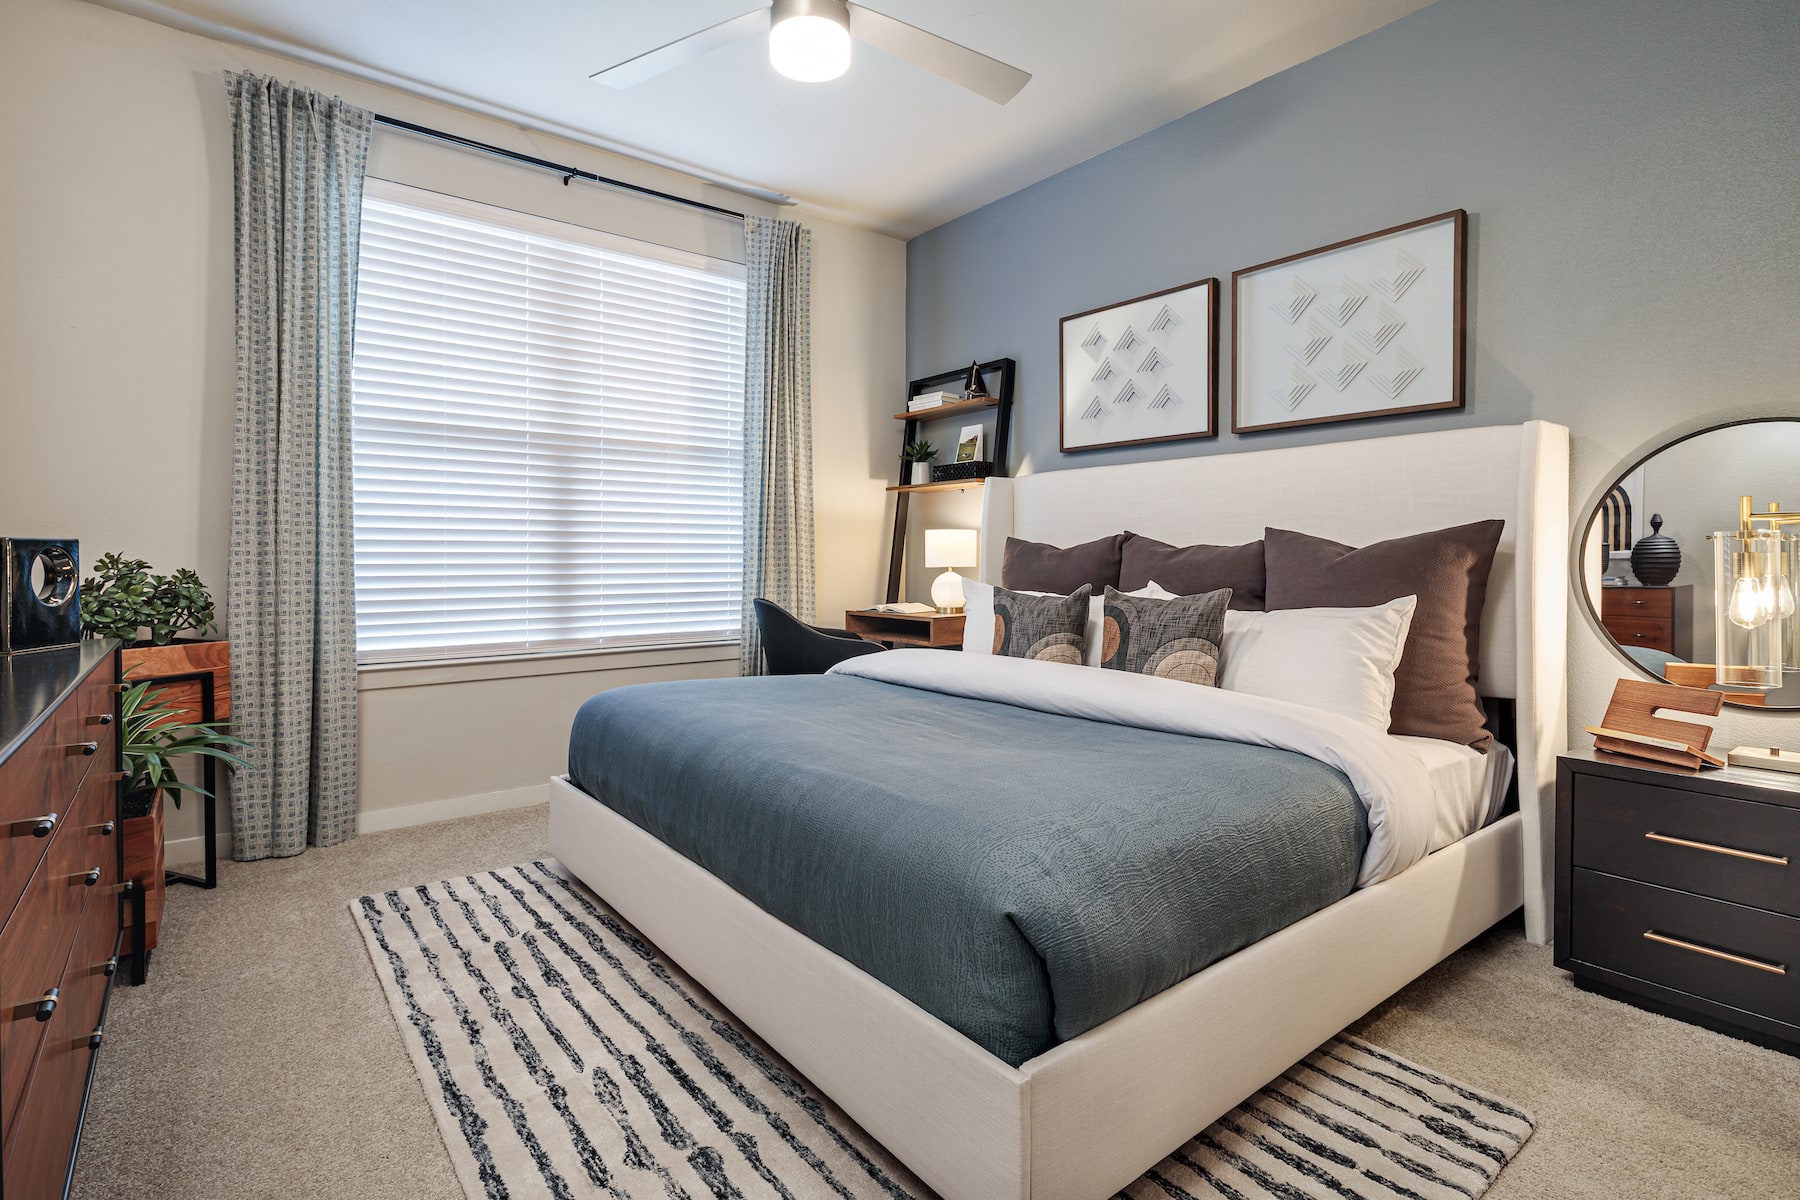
1653	558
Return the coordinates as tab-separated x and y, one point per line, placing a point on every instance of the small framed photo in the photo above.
1142	370
1369	327
970	443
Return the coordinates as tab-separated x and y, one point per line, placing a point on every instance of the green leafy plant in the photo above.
122	599
154	734
918	452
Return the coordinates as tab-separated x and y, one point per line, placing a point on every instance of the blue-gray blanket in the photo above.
1019	875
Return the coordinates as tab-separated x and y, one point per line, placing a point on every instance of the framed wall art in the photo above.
1369	327
1142	370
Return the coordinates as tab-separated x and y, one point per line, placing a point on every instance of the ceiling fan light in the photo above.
810	42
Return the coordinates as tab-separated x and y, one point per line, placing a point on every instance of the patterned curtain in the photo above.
778	497
299	170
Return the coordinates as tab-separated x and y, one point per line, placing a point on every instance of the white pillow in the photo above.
978	617
1338	659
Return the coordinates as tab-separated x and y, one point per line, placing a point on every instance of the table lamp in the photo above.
949	548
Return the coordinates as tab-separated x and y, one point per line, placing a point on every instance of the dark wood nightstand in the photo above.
1680	892
943	631
1657	618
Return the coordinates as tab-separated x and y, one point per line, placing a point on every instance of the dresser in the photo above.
1680	892
60	894
1656	618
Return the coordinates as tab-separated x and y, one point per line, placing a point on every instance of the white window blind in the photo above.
548	433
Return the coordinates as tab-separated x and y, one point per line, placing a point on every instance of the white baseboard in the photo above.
380	819
186	852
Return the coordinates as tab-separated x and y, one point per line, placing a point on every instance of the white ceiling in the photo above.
888	145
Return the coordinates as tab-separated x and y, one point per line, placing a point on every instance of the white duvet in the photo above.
1390	780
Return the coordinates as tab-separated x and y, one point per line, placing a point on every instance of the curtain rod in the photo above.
567	172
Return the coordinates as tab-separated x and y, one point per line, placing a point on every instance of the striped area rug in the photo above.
565	1057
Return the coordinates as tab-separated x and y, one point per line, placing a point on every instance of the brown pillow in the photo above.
1038	567
1193	570
1435	685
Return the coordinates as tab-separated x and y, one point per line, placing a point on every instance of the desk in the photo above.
940	630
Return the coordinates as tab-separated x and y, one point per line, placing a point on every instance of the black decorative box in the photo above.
953	472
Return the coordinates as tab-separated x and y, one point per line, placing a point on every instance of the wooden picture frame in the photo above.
1162	386
1394	325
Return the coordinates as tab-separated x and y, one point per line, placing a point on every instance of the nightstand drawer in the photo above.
1735	850
1656	633
1741	957
1637	602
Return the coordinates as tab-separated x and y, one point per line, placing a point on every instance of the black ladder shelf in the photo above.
996	378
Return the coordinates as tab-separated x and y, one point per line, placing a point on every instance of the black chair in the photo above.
792	647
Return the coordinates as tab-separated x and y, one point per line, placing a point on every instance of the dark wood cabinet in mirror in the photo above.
1648	572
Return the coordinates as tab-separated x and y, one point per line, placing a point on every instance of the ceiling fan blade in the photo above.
960	65
651	63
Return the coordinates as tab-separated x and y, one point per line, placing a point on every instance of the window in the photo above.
548	433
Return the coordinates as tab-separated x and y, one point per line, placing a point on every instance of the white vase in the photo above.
921	473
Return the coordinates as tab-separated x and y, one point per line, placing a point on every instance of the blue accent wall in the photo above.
1631	169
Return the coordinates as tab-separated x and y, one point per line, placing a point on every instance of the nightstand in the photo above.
943	631
1680	892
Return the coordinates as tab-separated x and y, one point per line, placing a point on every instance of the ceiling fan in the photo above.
809	40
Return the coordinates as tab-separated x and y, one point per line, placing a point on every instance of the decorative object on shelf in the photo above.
950	548
951	472
1754	598
1765	758
1632	728
969	443
40	582
917	456
973	388
1656	559
1142	370
1368	327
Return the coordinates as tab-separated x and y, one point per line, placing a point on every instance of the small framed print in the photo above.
969	443
1142	370
1370	327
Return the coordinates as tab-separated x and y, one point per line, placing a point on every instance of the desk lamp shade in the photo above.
949	548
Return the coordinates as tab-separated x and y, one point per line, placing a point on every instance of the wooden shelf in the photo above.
949	410
949	485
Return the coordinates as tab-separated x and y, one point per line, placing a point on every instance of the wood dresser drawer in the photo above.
1736	850
1637	602
1652	633
38	779
1741	957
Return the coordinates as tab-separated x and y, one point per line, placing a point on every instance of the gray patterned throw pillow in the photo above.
1173	639
1048	628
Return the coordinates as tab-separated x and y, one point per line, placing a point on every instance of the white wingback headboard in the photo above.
1359	492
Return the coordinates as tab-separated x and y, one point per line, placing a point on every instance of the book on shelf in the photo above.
903	610
931	400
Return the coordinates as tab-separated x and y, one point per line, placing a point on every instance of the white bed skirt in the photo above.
1087	1117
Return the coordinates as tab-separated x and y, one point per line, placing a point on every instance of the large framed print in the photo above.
1368	327
1143	370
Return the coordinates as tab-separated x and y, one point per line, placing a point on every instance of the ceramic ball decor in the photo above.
1656	559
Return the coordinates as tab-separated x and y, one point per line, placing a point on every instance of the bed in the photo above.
1073	1100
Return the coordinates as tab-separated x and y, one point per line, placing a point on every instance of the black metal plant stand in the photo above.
209	779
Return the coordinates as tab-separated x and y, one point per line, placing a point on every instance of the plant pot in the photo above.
180	657
919	472
141	843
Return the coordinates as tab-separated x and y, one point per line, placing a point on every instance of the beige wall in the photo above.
116	358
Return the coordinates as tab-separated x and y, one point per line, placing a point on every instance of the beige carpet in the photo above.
261	1059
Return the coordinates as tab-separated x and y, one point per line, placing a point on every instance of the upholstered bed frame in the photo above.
1088	1116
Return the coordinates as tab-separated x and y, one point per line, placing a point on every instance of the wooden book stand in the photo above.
1632	728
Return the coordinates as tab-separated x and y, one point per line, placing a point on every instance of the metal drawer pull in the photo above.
1739	959
101	719
37	827
110	967
105	829
84	749
92	1041
89	877
1778	860
42	1008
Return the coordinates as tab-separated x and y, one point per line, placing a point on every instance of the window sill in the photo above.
372	677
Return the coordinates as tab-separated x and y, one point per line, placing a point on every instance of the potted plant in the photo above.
154	735
149	613
918	455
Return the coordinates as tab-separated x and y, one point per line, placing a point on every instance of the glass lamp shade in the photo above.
809	47
1789	601
950	547
1753	604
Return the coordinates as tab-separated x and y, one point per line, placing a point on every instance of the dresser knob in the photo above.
101	719
89	877
46	1007
37	827
106	829
94	1038
110	967
84	749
